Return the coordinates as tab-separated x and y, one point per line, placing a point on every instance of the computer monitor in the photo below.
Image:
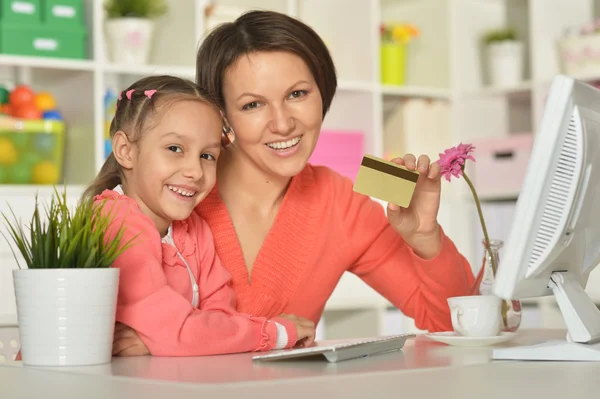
554	241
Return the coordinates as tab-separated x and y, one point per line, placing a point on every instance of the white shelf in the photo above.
524	88
145	70
47	63
9	320
507	196
30	190
415	91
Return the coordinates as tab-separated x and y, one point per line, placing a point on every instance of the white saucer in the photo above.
452	338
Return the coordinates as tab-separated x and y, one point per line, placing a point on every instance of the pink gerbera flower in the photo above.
452	161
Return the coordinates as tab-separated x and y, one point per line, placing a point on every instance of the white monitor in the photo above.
554	242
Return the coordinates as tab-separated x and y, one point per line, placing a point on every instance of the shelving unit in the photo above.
415	91
23	62
443	69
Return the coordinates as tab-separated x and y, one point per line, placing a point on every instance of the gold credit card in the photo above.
386	181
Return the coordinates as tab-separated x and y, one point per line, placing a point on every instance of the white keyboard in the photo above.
335	351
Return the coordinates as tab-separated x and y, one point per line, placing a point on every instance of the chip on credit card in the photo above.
386	181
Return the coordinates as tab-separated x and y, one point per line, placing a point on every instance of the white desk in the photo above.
424	369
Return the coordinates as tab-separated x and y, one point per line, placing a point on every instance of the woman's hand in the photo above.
304	328
126	342
418	224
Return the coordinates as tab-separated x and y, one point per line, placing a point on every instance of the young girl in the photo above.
173	290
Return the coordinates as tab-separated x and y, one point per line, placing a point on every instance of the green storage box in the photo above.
21	11
63	13
43	41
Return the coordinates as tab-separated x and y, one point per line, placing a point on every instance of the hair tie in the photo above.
149	93
129	93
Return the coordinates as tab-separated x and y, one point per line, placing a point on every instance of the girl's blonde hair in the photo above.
138	107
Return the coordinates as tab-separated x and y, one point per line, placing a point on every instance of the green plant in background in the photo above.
135	8
500	35
65	241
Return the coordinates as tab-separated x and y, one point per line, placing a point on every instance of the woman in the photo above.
286	230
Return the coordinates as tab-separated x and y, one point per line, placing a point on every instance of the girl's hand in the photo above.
418	224
304	328
126	342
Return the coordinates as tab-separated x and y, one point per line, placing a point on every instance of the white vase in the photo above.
505	63
66	317
129	40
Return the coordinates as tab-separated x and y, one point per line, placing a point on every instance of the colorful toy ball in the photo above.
52	114
6	109
45	101
3	95
21	95
26	111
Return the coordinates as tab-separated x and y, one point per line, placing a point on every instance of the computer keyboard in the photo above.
335	351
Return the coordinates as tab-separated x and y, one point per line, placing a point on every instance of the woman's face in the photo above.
274	106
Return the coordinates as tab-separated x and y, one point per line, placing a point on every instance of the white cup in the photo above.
476	315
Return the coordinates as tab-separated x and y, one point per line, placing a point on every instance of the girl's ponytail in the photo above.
108	177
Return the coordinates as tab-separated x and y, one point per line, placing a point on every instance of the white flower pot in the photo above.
505	63
129	40
66	316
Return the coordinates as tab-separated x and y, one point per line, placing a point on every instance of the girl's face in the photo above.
173	166
274	107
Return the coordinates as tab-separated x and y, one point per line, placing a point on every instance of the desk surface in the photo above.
424	368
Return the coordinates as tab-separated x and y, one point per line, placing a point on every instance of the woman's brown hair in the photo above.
138	106
263	31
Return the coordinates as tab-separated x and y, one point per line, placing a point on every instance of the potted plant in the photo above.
66	297
129	29
504	56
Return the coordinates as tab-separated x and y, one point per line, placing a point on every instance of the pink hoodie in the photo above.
176	294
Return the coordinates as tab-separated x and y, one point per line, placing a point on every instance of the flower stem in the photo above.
486	237
488	245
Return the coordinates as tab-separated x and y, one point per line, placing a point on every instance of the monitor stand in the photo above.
582	319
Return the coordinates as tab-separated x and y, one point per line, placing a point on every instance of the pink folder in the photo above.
340	150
